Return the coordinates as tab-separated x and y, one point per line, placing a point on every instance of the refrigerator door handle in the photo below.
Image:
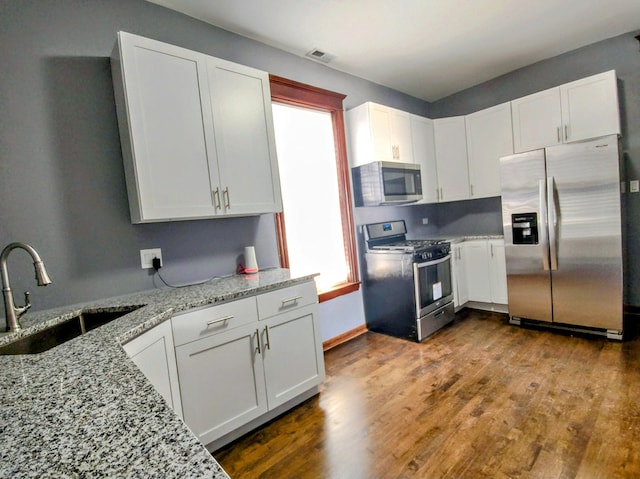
553	222
543	225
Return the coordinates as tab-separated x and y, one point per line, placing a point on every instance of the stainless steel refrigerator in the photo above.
561	211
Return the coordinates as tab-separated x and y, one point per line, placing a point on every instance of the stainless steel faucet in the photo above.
13	313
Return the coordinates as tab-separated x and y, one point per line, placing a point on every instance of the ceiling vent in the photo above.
320	56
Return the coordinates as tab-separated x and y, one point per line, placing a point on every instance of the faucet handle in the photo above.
27	304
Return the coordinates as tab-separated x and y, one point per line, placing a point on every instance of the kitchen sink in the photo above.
62	332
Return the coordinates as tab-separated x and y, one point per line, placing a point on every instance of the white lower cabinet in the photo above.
479	273
230	376
222	382
498	272
154	354
293	358
485	270
477	268
459	275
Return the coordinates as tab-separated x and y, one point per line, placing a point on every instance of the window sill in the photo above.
338	290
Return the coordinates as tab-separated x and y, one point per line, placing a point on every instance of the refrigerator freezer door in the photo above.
587	284
523	181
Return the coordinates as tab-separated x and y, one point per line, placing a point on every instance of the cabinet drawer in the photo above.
209	320
286	299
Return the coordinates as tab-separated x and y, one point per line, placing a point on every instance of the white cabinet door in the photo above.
590	107
292	352
154	355
401	141
166	129
451	158
222	382
459	275
378	133
424	154
477	269
536	120
379	123
498	272
245	142
489	137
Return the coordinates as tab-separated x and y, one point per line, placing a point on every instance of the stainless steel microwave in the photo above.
386	183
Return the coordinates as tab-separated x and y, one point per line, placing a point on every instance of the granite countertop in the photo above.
460	238
83	409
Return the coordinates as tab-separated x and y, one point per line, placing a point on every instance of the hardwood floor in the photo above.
480	399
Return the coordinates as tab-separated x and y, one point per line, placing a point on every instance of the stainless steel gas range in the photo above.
407	283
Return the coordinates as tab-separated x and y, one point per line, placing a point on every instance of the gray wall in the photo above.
619	53
61	177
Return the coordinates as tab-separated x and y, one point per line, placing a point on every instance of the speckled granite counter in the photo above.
461	238
83	409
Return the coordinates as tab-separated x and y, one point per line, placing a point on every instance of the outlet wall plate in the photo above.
147	255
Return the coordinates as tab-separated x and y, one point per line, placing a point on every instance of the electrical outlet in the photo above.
425	221
634	186
147	255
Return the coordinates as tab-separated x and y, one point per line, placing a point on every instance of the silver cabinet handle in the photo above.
219	320
566	132
471	189
266	332
225	194
559	134
491	246
216	198
258	342
441	194
285	302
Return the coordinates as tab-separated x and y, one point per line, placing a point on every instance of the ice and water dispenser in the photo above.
525	228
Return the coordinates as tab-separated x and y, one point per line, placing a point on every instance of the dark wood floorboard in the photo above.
480	399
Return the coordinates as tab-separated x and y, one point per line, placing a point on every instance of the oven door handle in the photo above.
434	262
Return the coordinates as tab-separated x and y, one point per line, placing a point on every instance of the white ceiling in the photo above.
426	48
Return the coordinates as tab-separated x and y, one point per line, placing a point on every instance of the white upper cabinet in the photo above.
379	133
536	120
489	137
424	154
451	158
245	140
590	107
579	110
191	128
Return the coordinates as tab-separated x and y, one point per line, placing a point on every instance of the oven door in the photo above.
433	288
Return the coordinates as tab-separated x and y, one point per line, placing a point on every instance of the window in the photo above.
315	230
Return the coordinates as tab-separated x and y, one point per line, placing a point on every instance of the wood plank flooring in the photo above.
480	399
